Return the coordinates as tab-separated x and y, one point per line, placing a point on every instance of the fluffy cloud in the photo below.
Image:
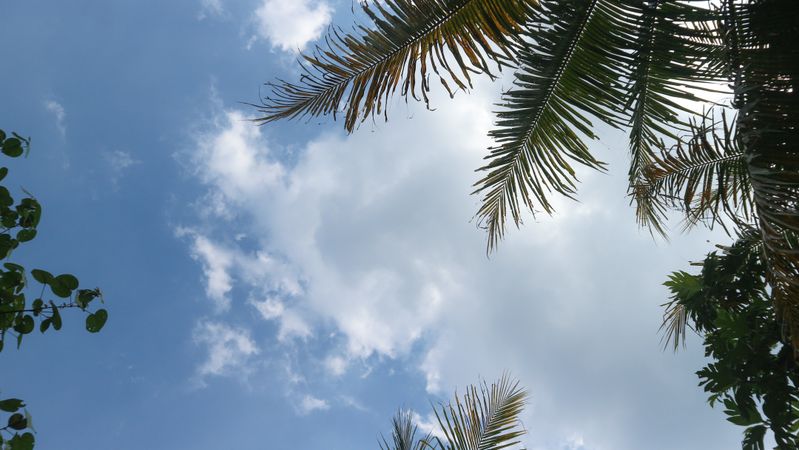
378	228
229	349
291	324
291	24
256	269
309	404
216	262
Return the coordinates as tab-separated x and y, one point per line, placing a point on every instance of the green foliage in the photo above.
19	315
753	372
483	419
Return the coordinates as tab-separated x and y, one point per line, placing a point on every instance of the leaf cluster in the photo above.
18	315
19	421
753	372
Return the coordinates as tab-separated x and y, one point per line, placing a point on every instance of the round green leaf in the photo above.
2	135
68	281
11	404
13	147
23	442
95	322
17	422
59	289
26	235
42	276
3	172
24	325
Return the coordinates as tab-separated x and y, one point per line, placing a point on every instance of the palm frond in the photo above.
674	326
572	68
764	61
403	433
409	40
676	46
485	419
705	177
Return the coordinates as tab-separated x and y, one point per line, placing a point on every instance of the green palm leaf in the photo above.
362	69
675	48
485	419
675	314
572	68
705	177
403	433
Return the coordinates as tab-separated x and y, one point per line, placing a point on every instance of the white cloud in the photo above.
309	404
210	8
291	24
229	349
377	225
291	323
428	425
60	115
118	162
336	365
237	166
256	270
217	262
270	308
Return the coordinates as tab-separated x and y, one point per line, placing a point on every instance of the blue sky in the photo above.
290	286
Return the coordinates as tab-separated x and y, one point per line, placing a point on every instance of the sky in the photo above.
292	286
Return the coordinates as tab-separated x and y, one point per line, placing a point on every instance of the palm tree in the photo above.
627	63
484	419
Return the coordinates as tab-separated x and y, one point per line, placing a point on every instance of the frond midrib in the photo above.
640	120
387	57
550	90
493	413
684	170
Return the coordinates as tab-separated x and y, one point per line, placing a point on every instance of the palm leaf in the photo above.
675	47
764	68
403	433
572	68
485	419
675	317
410	39
705	177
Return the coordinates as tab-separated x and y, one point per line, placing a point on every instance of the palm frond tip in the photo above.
572	68
484	419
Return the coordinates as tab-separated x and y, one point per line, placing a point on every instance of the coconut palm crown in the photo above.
626	63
